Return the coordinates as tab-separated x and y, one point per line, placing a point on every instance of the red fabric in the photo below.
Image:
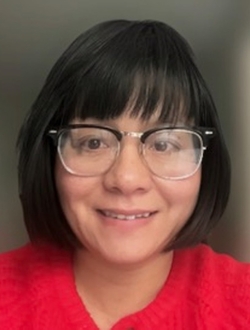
204	290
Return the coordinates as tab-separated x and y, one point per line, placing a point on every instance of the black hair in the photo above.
146	64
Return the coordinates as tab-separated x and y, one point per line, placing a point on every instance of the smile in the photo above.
126	217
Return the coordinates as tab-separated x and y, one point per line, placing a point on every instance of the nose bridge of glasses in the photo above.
135	135
132	134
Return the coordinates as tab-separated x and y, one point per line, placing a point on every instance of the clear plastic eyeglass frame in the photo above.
173	165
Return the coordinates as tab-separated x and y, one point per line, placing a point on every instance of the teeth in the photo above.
126	217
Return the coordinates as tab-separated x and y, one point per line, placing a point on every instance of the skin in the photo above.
123	255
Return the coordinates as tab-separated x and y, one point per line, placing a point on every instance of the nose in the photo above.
129	174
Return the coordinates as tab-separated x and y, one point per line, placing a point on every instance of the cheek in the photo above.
70	197
68	188
64	183
73	191
182	193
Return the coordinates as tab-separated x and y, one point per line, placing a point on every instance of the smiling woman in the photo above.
123	173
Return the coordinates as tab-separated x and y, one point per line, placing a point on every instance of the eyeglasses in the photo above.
172	153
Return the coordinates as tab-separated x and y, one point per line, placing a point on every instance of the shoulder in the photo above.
203	263
26	279
23	253
216	265
30	261
23	261
15	265
19	266
218	284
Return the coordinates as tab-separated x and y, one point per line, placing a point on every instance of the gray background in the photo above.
34	33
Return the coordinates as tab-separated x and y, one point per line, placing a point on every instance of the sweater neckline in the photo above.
69	301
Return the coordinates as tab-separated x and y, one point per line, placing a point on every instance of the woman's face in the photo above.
126	215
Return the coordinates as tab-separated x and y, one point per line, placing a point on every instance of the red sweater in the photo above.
204	290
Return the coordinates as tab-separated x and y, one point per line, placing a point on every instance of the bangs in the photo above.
142	96
145	68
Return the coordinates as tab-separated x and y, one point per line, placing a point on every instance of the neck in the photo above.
112	291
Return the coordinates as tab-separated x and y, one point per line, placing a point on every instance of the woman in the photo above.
123	172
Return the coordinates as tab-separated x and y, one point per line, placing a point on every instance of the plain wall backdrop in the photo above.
33	34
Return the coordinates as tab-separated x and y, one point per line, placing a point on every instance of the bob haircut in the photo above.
141	64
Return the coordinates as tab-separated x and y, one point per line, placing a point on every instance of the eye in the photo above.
93	143
164	142
164	146
89	143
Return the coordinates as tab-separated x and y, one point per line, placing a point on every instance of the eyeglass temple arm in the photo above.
207	134
53	134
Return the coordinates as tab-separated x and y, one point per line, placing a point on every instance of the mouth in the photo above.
126	217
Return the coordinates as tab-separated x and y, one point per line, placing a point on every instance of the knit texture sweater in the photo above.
204	290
